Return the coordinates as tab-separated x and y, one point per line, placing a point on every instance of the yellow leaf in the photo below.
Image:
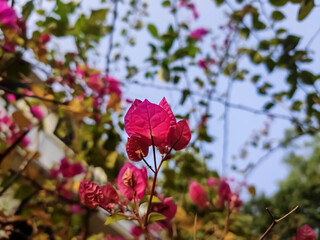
111	159
77	108
114	102
252	190
41	236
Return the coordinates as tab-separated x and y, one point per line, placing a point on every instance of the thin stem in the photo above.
151	196
9	149
113	24
147	164
275	221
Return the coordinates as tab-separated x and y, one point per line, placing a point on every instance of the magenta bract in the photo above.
198	195
90	193
146	121
305	232
132	181
109	198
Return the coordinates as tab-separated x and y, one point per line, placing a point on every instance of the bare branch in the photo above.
7	90
275	221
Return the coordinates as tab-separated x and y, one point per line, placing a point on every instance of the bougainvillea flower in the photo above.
8	15
235	202
68	169
224	193
211	181
11	97
132	181
44	38
113	85
37	112
198	195
148	121
136	231
199	33
25	142
179	136
76	209
90	193
167	208
109	198
305	232
136	149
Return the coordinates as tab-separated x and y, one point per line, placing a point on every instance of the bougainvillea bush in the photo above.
81	159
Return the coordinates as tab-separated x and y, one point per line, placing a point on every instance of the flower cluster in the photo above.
225	197
151	124
66	169
10	132
131	183
14	28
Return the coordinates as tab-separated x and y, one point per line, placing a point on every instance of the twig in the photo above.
22	167
148	164
9	149
275	221
312	38
266	155
113	24
7	90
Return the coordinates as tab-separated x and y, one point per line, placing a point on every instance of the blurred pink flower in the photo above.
198	195
37	112
69	170
132	181
76	208
305	232
211	181
199	33
25	142
11	97
136	231
8	15
224	193
44	38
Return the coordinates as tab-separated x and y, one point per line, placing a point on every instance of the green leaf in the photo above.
277	15
269	106
153	30
27	9
155	199
244	32
305	9
185	94
154	217
166	3
115	218
307	77
278	3
219	2
98	15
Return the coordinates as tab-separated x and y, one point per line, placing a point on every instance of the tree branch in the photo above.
7	90
9	149
113	24
275	221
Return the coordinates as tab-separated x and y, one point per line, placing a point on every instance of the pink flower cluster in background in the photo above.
226	198
10	132
191	6
66	169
